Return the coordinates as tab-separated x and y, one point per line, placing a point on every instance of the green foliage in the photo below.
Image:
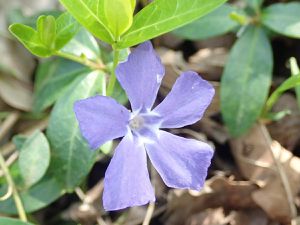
30	39
51	34
295	71
160	17
90	14
246	80
36	197
119	15
72	158
53	79
290	83
83	45
10	221
283	18
255	4
34	158
213	24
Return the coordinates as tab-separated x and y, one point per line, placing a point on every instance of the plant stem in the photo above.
112	79
84	61
15	194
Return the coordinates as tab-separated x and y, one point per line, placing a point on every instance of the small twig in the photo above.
10	161
8	123
149	213
282	174
15	194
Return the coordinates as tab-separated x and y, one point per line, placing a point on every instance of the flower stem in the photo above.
84	61
12	186
112	79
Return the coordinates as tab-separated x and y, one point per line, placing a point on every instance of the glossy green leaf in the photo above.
89	15
34	158
119	15
83	45
11	221
246	80
30	39
213	24
66	28
255	4
72	158
46	28
162	16
53	79
283	18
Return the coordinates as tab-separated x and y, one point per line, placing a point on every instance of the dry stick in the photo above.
10	182
8	124
149	213
282	174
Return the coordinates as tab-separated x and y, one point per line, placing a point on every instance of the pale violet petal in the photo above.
181	162
141	76
186	102
101	119
127	181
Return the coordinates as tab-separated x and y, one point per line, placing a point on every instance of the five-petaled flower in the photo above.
181	162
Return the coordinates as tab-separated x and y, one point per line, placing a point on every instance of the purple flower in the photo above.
181	162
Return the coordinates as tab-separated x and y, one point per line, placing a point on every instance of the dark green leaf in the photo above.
30	39
34	158
11	221
246	80
88	14
283	18
72	158
66	29
53	79
162	16
213	24
295	70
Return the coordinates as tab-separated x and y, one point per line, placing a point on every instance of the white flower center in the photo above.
136	123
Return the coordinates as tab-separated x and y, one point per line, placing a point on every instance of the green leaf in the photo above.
255	4
83	45
283	18
162	16
30	39
290	83
34	158
246	80
213	24
72	158
119	15
46	28
19	140
87	13
295	70
53	79
66	28
10	221
47	190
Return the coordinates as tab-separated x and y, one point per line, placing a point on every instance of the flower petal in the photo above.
141	76
181	162
101	119
186	102
126	181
